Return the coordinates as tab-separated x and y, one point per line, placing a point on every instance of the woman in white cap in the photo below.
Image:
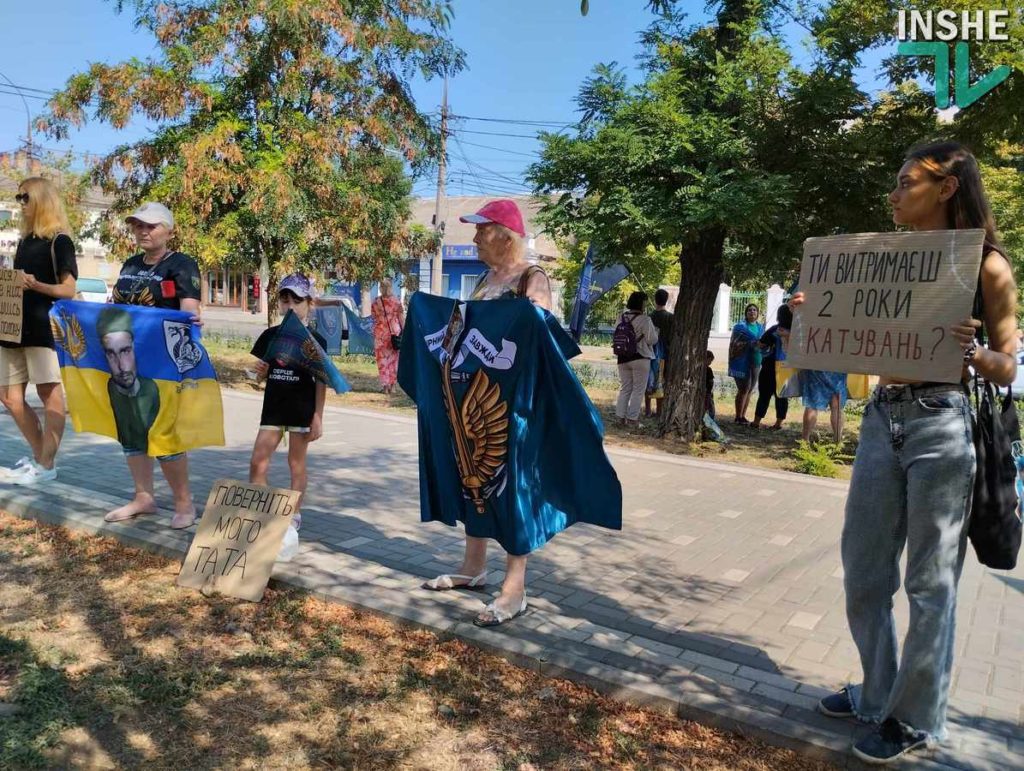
499	242
159	277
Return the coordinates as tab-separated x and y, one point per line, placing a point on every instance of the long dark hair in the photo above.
636	301
969	207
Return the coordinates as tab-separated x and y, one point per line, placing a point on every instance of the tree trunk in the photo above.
270	259
702	274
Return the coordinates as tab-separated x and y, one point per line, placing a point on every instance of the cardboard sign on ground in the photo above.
883	303
238	539
11	292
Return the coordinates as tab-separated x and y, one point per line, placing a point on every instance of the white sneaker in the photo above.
33	474
19	468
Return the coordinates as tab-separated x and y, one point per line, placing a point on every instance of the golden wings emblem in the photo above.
480	428
68	334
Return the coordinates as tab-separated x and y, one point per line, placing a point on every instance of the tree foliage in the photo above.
73	186
730	153
285	127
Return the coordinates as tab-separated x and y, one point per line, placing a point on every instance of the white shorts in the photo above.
30	364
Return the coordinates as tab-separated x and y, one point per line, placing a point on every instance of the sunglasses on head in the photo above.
21	198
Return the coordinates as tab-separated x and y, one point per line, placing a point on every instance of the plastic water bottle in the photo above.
290	546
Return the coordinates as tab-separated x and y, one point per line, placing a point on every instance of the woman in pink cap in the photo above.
499	242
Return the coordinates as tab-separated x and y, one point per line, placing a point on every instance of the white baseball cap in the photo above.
152	213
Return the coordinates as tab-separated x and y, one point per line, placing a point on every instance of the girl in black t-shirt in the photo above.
293	401
162	278
46	257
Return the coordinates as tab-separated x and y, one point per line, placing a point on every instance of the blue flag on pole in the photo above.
593	283
326	320
360	332
294	345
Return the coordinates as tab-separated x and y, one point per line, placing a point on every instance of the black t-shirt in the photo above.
164	285
290	397
770	341
33	257
663	322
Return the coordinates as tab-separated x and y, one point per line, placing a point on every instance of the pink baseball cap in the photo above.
503	212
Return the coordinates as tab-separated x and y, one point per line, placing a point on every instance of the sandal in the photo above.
497	615
181	521
445	583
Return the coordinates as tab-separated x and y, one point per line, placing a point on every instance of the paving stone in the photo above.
803	620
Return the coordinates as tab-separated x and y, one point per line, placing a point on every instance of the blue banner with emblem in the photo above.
510	443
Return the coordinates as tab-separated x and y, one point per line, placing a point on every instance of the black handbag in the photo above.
995	524
396	340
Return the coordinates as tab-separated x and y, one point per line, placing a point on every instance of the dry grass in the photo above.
111	665
748	446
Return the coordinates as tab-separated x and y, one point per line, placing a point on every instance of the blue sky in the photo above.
526	60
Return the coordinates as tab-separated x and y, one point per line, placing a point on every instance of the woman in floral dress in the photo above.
388	320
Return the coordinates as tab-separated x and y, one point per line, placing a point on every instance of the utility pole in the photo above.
435	269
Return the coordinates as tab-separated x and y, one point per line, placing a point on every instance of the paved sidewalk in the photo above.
721	599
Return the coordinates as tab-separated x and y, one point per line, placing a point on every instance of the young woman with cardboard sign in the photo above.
913	480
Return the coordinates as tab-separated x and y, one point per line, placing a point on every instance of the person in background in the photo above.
745	359
709	384
819	391
293	401
767	389
46	257
158	277
662	319
388	321
913	480
635	359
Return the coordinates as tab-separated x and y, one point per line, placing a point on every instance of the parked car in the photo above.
94	290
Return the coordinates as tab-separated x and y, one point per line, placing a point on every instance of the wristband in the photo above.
969	351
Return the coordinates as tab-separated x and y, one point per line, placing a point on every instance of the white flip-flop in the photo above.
499	616
445	583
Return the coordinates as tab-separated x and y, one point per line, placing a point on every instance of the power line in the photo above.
496	134
503	150
517	121
9	92
469	163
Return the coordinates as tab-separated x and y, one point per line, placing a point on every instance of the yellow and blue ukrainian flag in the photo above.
167	350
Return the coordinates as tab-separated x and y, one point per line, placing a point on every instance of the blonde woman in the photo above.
46	257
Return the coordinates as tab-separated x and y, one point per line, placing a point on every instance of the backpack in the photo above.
624	338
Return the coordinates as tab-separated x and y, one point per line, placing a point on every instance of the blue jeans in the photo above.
912	483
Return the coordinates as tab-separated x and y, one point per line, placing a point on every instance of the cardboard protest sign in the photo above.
11	292
882	303
238	539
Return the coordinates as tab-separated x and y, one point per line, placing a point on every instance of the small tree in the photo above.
284	127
